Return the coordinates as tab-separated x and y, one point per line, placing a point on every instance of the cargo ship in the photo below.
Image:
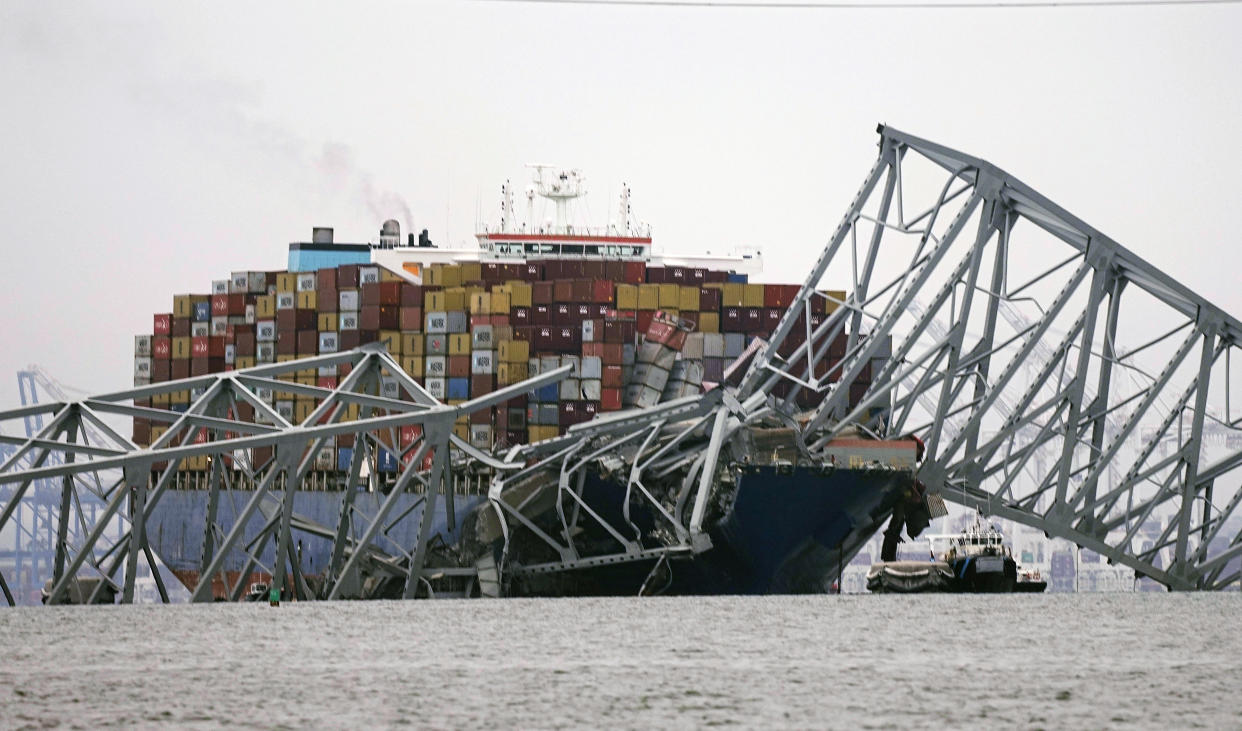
639	329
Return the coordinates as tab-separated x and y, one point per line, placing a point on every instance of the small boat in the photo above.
975	560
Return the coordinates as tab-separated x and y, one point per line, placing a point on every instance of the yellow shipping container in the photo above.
752	295
179	397
835	296
392	339
286	282
627	297
649	296
183	305
243	361
688	299
459	344
709	322
501	303
669	295
733	295
307	300
265	307
307	378
413	365
412	344
302	409
514	351
451	276
181	348
508	374
480	303
462	431
327	322
519	294
455	299
471	271
389	276
159	399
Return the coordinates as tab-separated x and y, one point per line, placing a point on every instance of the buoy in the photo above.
274	597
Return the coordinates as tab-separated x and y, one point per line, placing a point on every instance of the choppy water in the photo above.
1052	661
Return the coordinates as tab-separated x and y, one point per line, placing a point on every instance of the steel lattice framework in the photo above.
981	317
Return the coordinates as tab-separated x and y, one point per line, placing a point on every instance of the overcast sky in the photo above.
149	149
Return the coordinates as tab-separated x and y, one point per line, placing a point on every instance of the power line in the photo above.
879	5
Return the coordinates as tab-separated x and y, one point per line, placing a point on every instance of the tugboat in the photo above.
975	560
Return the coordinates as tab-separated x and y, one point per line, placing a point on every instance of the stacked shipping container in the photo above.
633	334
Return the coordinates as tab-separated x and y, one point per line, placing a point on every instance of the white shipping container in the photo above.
142	345
142	367
265	353
713	345
368	275
628	354
348	300
436	345
437	322
230	354
549	363
456	322
588	331
569	389
264	394
347	320
250	315
591	367
481	337
437	387
328	342
573	362
481	436
200	329
265	331
436	366
286	300
220	325
483	362
327	371
325	459
591	389
549	415
735	343
142	381
239	282
693	347
390	387
256	282
306	282
219	286
532	367
284	407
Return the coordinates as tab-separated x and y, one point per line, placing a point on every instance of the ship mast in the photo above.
562	187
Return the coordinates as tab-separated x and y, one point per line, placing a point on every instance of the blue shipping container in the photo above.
459	388
343	456
735	278
546	393
202	312
387	461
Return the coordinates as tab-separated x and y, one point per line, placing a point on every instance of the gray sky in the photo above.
151	149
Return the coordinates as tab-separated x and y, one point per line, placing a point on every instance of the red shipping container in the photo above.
348	340
520	316
161	347
180	327
593	350
752	319
325	279
523	333
481	385
492	272
459	366
541	315
676	275
390	293
411	319
772	318
180	369
602	290
582	312
709	299
369	295
162	324
198	347
542	293
594	269
411	295
161	370
219	305
635	272
530	272
692	318
563	315
326	381
613	353
215	346
500	320
308	342
410	433
327	300
698	275
611	377
476	320
589	410
731	320
563	290
655	275
614	271
287	342
243	342
347	276
643	320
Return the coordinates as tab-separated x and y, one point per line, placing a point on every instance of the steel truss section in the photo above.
1054	377
1010	324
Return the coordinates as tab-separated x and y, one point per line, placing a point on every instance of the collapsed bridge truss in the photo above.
1055	378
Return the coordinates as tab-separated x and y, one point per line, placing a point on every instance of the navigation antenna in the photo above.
561	187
